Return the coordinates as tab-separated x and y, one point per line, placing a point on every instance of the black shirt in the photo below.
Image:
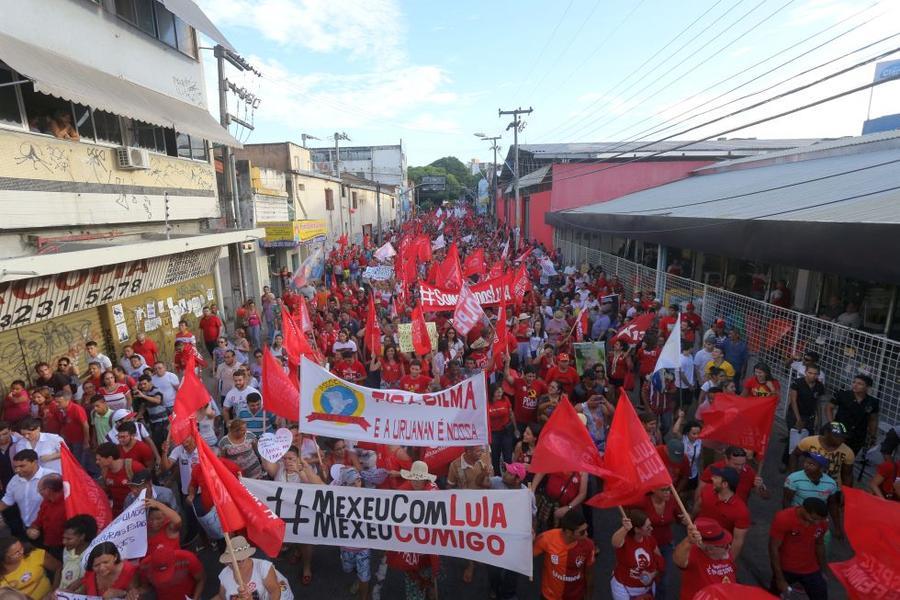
56	382
854	415
807	397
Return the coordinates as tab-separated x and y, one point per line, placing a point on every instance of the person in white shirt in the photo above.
185	456
236	398
166	382
225	373
47	445
22	490
125	361
703	356
685	379
798	366
122	415
95	355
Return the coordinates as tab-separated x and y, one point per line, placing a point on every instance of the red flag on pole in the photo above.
468	311
420	339
448	274
423	248
565	445
581	326
372	339
739	421
303	320
236	506
279	393
190	397
500	335
632	456
634	332
82	495
496	270
474	263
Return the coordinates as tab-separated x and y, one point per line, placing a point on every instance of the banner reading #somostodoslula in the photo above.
333	407
489	526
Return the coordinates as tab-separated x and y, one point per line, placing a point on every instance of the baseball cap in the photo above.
140	478
837	428
711	532
822	461
517	469
122	413
728	474
675	450
720	322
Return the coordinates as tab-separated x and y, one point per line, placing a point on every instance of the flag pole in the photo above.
234	562
684	511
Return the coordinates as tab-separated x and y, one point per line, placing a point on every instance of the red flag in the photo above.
190	397
236	506
335	289
745	422
438	459
303	320
474	264
565	445
372	339
468	311
867	577
500	349
448	274
343	242
730	591
634	332
279	393
420	339
423	248
632	456
524	255
581	326
496	270
82	495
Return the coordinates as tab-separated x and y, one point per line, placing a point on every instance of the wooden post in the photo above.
234	562
684	511
622	511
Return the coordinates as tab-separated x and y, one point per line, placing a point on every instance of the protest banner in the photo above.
489	526
61	595
385	252
379	273
329	406
588	354
128	532
490	292
467	313
404	334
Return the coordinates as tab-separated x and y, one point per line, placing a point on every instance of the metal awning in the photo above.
190	13
59	76
533	178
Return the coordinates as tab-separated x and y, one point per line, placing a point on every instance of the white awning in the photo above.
62	77
190	13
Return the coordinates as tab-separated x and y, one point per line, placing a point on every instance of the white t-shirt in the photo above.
105	363
186	460
48	443
700	359
168	385
255	585
686	364
24	494
237	399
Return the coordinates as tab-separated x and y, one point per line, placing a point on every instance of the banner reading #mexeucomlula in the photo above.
330	406
489	526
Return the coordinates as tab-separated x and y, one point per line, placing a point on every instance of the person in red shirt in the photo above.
797	548
662	510
106	564
545	362
672	455
638	559
704	557
564	374
415	381
212	328
47	410
647	355
504	432
736	458
667	323
169	574
348	367
691	323
51	517
17	404
526	391
720	502
75	429
146	348
133	448
761	383
568	571
115	473
417	478
886	481
163	523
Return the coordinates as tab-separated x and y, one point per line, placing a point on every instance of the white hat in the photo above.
122	413
336	473
524	317
417	472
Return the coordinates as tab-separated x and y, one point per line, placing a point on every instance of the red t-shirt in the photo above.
13	411
407	485
51	520
676	471
565	565
179	585
731	514
418	384
690	324
647	360
211	327
666	324
139	453
122	582
73	420
703	571
51	417
563	488
752	387
349	370
147	349
568	379
637	561
391	371
499	414
889	471
117	485
798	541
662	523
745	482
162	538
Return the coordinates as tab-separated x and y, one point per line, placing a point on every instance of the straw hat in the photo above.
479	344
242	550
417	472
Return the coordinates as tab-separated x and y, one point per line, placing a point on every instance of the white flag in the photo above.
547	267
670	357
385	252
438	243
438	212
128	532
468	311
440	225
505	250
466	239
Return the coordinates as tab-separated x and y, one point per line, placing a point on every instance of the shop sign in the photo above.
37	299
312	230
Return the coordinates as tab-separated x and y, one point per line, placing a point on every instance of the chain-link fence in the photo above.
774	335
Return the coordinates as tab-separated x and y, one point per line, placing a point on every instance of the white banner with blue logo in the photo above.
330	406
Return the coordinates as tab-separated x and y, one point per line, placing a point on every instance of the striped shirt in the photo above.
803	488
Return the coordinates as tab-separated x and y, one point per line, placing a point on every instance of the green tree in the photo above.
459	181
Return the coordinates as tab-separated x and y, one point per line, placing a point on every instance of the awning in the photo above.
190	13
62	77
533	178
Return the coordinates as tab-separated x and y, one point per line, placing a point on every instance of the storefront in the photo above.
288	243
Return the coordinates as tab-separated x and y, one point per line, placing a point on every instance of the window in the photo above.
108	127
165	23
145	135
185	36
83	122
353	198
183	141
190	146
329	199
198	148
301	187
154	19
9	99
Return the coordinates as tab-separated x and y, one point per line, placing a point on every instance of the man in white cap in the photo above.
417	478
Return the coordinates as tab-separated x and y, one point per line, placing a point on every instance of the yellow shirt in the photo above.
29	578
843	455
725	366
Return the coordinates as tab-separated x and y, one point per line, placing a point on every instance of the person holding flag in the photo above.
704	557
639	562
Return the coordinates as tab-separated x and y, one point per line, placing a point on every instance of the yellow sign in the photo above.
292	233
310	229
404	332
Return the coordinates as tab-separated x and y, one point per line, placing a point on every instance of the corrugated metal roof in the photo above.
821	190
737	146
533	178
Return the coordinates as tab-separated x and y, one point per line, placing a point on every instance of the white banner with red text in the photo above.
489	526
333	407
489	293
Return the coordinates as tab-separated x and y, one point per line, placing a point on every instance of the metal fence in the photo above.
773	334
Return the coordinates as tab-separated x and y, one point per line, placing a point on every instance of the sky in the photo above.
432	73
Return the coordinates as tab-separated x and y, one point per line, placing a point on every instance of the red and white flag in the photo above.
581	325
81	494
468	312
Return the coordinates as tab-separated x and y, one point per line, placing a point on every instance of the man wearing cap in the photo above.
799	364
169	574
667	323
812	482
704	557
829	444
564	374
720	502
143	480
797	548
672	455
858	411
736	458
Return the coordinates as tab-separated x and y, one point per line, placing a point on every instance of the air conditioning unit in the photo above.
133	159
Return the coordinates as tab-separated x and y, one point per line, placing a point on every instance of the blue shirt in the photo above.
254	421
600	326
799	483
736	354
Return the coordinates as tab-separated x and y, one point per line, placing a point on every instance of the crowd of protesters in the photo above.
114	417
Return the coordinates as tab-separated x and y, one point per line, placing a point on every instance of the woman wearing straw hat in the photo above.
417	478
261	580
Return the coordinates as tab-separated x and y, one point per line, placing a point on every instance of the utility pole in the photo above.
492	204
515	126
378	207
337	159
306	136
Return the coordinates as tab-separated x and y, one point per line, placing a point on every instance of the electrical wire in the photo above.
540	54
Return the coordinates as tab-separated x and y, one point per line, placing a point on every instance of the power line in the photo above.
544	49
